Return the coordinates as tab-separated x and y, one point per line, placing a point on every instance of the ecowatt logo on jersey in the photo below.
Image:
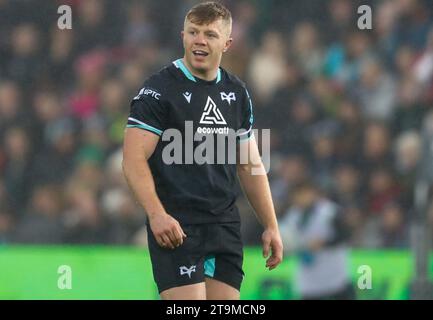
212	115
216	145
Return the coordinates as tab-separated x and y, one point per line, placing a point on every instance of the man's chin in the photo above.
201	67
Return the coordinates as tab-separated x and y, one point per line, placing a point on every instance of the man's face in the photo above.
205	44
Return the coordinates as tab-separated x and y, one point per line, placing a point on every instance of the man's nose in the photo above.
200	39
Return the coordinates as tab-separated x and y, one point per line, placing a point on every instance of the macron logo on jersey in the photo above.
211	114
187	96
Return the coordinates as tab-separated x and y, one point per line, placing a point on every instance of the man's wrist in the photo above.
155	211
272	227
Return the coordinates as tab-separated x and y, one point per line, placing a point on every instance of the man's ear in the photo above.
181	34
228	44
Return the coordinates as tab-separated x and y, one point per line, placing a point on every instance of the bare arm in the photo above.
138	146
254	181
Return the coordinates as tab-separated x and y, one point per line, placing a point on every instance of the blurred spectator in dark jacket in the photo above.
60	57
83	220
342	13
280	103
24	66
54	162
394	227
131	76
17	168
413	23
6	225
410	111
347	185
42	223
114	111
292	170
140	26
11	110
303	115
324	152
7	216
404	60
350	132
47	109
99	25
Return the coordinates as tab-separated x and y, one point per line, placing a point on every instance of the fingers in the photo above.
172	237
177	235
165	241
159	239
176	238
276	257
266	247
272	245
183	233
162	240
273	262
169	240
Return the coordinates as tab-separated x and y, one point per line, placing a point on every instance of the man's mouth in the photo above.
200	53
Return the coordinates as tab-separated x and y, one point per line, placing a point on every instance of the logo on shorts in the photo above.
185	270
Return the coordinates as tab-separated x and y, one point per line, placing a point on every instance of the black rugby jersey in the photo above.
176	105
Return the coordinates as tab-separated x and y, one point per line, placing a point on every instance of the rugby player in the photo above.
194	233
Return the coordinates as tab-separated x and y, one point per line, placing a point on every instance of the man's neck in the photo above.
207	76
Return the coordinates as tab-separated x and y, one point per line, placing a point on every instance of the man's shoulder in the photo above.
233	80
157	83
161	77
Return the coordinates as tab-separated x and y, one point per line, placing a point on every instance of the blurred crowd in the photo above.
345	107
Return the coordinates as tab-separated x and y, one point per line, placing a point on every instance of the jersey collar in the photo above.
180	65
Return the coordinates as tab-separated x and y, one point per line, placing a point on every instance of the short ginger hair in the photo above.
208	12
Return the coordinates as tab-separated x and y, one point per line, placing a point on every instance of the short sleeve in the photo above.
147	112
247	118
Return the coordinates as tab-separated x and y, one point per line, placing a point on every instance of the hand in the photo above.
272	243
167	230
